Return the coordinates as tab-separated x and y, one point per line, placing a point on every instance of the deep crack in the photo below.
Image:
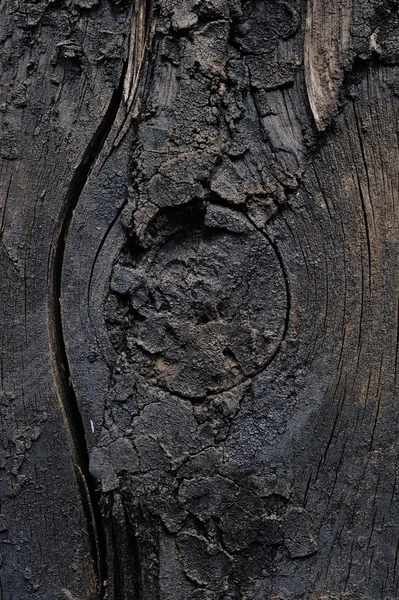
62	373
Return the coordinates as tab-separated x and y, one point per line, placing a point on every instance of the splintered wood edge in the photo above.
136	53
326	49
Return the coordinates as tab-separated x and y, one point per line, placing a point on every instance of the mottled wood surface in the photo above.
211	409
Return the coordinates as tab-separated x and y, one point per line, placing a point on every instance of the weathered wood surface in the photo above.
60	67
210	411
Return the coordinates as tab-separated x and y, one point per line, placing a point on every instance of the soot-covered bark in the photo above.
200	230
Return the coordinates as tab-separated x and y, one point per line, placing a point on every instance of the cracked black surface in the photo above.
193	457
204	309
198	310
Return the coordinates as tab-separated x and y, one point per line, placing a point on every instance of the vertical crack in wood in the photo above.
105	559
66	393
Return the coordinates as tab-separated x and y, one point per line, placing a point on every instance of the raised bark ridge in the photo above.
326	54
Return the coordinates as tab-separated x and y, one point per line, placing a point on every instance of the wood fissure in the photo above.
66	392
119	573
220	300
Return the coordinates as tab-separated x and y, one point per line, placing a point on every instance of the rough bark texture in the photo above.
200	299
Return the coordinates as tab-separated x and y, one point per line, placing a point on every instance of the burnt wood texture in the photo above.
199	267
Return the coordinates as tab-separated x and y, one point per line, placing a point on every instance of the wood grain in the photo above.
200	300
326	54
59	71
